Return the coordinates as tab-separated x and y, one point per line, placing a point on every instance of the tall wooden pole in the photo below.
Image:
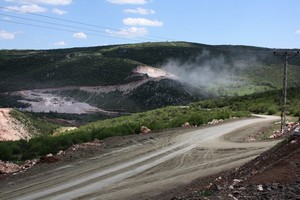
284	94
284	88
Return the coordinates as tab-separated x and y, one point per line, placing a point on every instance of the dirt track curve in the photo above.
145	168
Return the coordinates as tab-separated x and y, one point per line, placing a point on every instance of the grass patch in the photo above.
158	119
35	125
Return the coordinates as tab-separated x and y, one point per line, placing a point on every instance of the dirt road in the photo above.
144	168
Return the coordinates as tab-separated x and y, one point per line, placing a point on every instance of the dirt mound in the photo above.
279	164
10	128
275	174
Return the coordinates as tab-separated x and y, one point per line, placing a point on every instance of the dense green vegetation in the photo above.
8	101
64	119
158	119
54	69
260	103
109	65
197	113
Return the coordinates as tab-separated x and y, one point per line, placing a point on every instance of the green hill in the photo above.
203	71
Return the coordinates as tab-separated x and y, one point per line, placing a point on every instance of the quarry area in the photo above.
164	165
47	100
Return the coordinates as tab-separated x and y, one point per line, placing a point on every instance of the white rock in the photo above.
260	187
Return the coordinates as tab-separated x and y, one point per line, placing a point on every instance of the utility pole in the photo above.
286	56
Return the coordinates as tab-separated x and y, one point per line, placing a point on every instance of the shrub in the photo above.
5	151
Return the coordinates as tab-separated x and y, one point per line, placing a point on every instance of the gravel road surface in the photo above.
144	168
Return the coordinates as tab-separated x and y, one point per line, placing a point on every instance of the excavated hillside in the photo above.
11	129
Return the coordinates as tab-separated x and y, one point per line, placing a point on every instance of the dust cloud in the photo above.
203	70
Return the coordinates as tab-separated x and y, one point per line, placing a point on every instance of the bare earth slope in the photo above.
141	168
10	128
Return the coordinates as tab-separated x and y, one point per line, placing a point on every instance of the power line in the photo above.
82	23
65	30
69	26
286	57
64	25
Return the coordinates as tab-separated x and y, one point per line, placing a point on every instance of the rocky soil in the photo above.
275	174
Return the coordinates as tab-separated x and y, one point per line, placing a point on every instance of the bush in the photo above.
272	110
5	151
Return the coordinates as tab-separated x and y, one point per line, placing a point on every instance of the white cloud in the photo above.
48	2
55	2
298	31
6	18
33	8
80	35
131	32
60	43
58	11
141	22
141	11
4	35
138	2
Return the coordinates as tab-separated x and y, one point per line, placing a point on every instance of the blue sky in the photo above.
50	24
